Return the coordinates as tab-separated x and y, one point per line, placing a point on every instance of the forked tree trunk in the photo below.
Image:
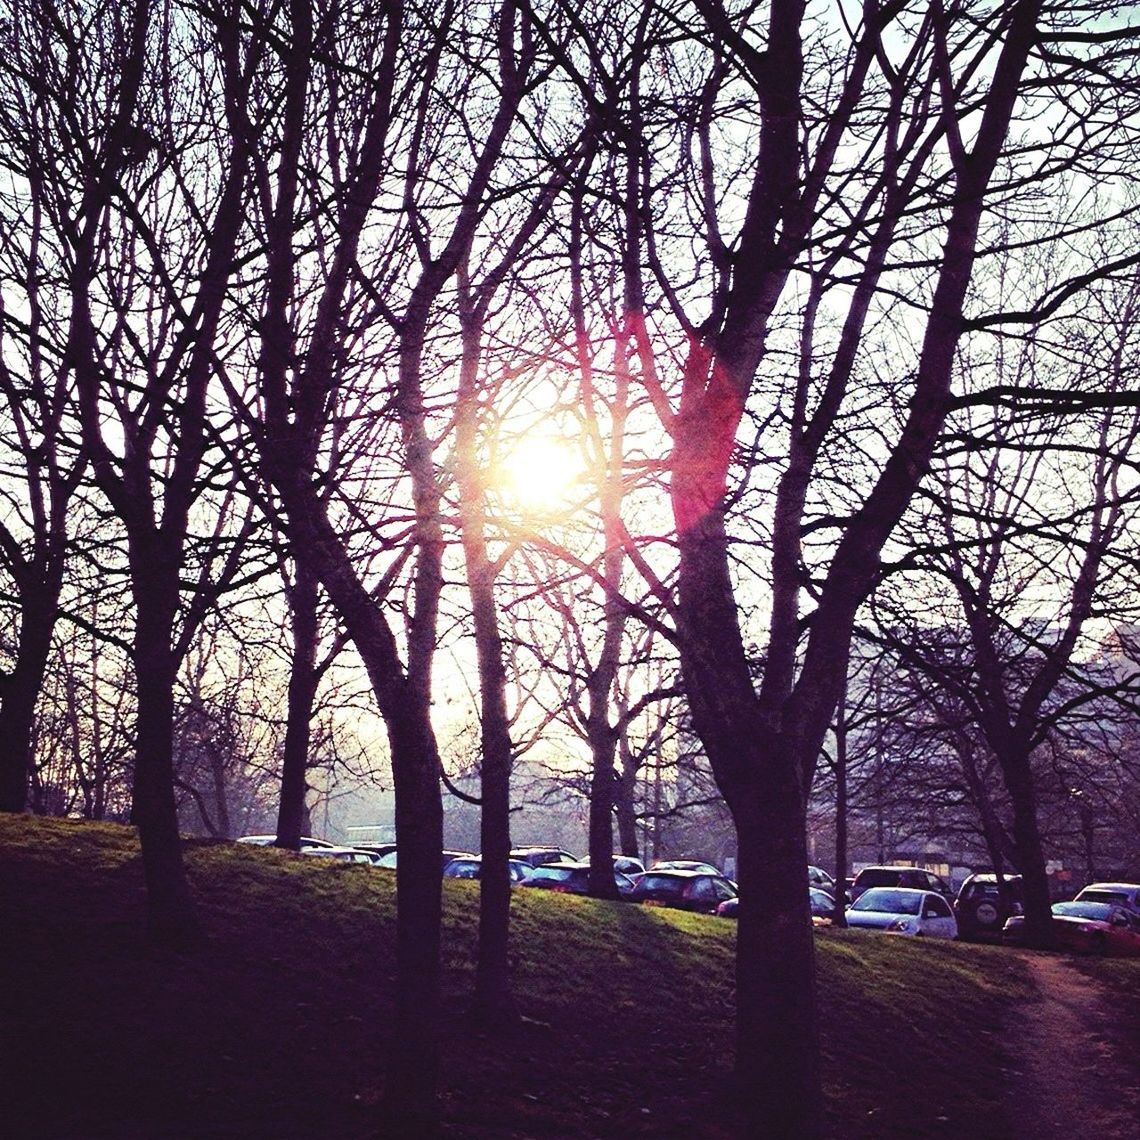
409	1106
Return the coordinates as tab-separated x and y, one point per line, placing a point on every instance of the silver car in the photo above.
901	910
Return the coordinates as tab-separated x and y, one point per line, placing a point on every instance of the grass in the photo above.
280	1026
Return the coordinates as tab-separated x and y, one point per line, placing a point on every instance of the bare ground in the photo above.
1070	1078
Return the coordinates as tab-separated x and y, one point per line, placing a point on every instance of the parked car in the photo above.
980	907
471	867
685	865
818	877
629	865
571	878
269	840
391	860
821	903
1087	927
1126	895
536	856
342	854
915	878
903	910
376	848
683	888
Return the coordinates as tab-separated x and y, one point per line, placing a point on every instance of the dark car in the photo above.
982	909
822	907
687	890
684	865
913	878
571	878
471	867
536	856
391	860
629	865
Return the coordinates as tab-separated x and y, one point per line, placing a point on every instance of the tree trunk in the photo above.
494	1001
171	915
839	914
759	774
1015	766
777	1045
602	745
409	1104
20	689
302	691
625	808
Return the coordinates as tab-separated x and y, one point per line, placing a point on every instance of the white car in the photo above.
344	854
1126	895
901	910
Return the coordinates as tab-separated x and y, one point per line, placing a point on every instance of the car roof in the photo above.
680	872
902	891
1112	887
892	867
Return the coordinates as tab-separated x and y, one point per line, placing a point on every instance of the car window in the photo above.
879	878
463	869
1103	896
703	890
937	908
723	890
889	900
551	873
665	884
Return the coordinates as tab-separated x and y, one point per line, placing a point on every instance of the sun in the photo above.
539	474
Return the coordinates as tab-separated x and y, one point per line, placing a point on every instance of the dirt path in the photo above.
1069	1079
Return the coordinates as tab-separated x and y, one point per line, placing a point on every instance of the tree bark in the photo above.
1018	773
172	919
20	689
302	691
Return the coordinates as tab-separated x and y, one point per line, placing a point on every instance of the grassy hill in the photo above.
279	1027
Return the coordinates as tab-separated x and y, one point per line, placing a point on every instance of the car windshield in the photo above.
888	901
1098	911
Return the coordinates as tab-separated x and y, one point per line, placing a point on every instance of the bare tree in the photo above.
355	128
799	171
1037	535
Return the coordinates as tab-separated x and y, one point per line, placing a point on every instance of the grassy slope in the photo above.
279	1027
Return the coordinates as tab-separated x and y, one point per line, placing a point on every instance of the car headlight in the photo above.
901	926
